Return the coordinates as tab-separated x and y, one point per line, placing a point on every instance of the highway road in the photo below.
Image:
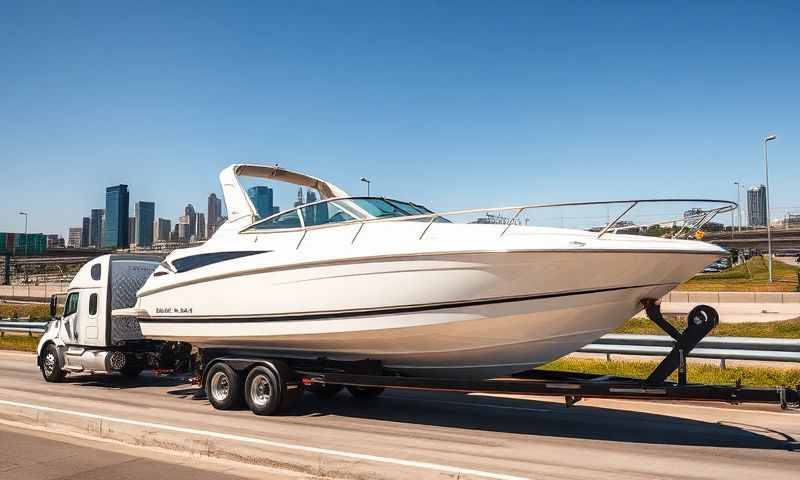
29	455
414	435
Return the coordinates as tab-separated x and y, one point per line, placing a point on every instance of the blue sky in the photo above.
451	104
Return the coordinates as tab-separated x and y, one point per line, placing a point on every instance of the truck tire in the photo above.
263	391
325	391
51	365
223	387
365	393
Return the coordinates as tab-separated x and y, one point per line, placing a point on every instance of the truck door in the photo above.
90	312
69	331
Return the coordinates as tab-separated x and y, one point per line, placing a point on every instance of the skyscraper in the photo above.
131	230
145	216
115	224
263	200
299	200
757	206
190	219
74	237
96	227
162	231
85	230
214	214
200	223
311	197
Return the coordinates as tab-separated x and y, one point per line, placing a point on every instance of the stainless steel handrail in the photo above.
704	216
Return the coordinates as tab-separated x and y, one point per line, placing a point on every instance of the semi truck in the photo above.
84	336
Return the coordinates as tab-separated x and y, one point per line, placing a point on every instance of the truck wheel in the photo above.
51	365
223	387
262	391
325	391
365	393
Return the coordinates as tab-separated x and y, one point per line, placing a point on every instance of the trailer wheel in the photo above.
262	391
51	365
223	387
365	393
325	391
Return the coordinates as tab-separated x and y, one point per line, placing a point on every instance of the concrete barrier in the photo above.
731	297
737	297
703	297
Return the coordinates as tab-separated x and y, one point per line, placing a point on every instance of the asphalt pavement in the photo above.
415	435
37	455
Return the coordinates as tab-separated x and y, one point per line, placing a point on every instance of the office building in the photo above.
162	230
200	225
131	230
96	227
145	216
74	237
263	200
55	240
299	200
757	206
190	219
214	214
85	230
115	224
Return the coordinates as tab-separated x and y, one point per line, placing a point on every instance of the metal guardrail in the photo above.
722	348
22	325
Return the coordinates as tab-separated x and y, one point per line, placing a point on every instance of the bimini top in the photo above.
238	202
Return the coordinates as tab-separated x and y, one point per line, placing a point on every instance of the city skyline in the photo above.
526	102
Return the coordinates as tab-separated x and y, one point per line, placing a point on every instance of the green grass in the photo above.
697	373
751	276
37	311
781	329
22	343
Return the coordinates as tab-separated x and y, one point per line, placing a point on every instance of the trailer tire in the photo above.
223	387
51	365
263	391
365	393
325	391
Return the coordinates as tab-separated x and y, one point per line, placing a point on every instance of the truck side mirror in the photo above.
53	306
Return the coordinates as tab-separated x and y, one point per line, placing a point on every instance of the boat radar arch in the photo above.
238	202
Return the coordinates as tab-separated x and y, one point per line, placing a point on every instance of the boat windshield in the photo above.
383	207
342	210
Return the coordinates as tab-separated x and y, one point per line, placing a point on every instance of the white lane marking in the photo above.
469	404
269	443
660	403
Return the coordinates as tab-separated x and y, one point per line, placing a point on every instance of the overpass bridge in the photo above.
782	239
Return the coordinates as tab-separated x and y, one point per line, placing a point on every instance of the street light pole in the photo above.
364	179
739	203
26	232
769	229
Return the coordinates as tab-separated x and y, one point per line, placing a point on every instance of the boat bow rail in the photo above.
682	227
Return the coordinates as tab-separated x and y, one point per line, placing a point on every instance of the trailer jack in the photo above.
701	320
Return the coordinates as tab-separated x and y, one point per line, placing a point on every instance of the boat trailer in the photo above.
577	386
271	384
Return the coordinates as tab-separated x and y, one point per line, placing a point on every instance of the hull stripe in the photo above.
384	310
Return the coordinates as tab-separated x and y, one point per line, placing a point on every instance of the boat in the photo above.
351	278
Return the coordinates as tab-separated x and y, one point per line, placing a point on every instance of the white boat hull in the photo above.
476	315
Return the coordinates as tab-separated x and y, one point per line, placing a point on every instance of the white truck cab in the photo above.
84	336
